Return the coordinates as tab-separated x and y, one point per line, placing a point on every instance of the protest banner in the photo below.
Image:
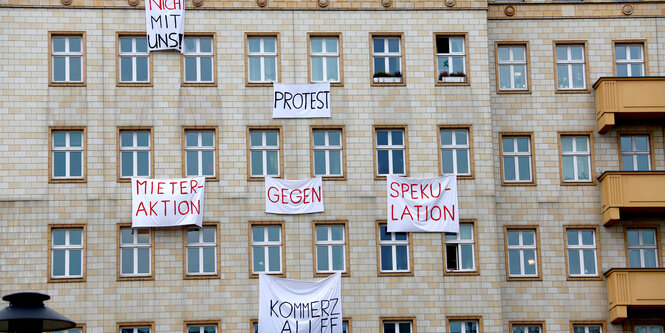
165	24
422	204
167	202
300	306
294	196
301	100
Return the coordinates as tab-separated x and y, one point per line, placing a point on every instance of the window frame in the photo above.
535	229
186	275
53	83
600	323
541	324
278	68
532	155
645	62
476	269
477	319
135	277
119	151
402	55
465	37
84	157
199	148
597	249
568	63
385	320
328	223
83	248
408	243
328	128
527	59
470	148
656	229
198	55
118	82
187	323
280	141
652	159
404	129
280	224
134	325
650	323
340	68
592	173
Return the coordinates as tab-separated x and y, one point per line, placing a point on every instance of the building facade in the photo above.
550	113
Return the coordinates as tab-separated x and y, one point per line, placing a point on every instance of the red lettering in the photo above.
182	187
405	188
306	192
418	212
195	207
141	208
164	4
298	197
405	212
173	187
431	191
192	185
157	3
452	215
160	190
152	210
413	192
166	201
422	191
317	195
139	183
276	195
392	213
394	190
180	207
284	196
439	209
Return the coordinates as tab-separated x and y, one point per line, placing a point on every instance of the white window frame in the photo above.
579	252
264	148
457	243
454	147
521	248
642	247
568	63
201	326
199	149
463	325
397	322
266	244
327	148
629	61
576	155
135	149
511	62
134	55
134	246
525	327
449	58
68	55
386	55
199	246
515	155
634	153
586	327
649	328
67	247
393	243
198	54
135	329
328	245
326	57
263	55
67	149
390	147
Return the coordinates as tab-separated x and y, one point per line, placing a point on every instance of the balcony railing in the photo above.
630	98
635	289
631	192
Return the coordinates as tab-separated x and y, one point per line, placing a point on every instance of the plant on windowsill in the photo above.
384	77
452	77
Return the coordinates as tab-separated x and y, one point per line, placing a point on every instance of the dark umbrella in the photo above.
27	313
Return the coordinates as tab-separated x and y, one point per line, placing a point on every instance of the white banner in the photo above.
423	204
167	202
294	196
165	24
301	100
300	307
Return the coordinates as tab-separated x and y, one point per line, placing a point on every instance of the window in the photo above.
262	59
145	327
460	252
67	58
642	247
67	154
576	158
570	67
199	60
629	58
135	153
391	154
387	59
397	325
522	252
267	248
464	325
264	152
516	161
526	327
450	58
135	252
133	60
512	67
394	251
67	256
200	151
455	148
327	152
201	249
325	60
635	152
648	329
588	327
202	326
330	243
581	253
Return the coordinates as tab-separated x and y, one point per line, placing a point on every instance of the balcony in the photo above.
634	289
631	192
628	98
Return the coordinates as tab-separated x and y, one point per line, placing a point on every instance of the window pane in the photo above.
192	235
208	163
58	263
316	44
467	257
319	162
378	45
144	260
397	137
518	52
572	237
562	76
458	65
254	44
321	233
393	45
193	329
462	161
642	162
636	70
578	76
332	71
257	234
74	44
504	53
574	262
273	234
126	69
650	260
447	161
633	237
648	237
317	69
259	259
622	70
75	164
383	233
58	44
528	238
143	163
75	237
382	138
582	144
190	69
192	163
127	261
394	65
254	69
142	69
126	236
567	144
275	259
379	64
404	328
589	261
561	53
398	161
206	69
193	260
382	161
75	69
514	262
530	262
457	44
620	51
627	162
59	69
141	44
143	236
635	52
271	138
577	52
75	139
190	44
269	44
331	45
524	167
335	162
402	257
338	257
209	234
504	77
208	259
583	168
520	76
587	237
513	238
59	237
322	258
257	163
568	168
270	69
273	163
205	44
634	258
386	258
127	168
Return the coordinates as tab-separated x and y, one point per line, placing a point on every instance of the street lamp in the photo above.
27	313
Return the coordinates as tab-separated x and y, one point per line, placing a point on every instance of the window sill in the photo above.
66	84
508	92
198	84
259	84
332	84
59	180
330	177
452	79
584	278
462	273
256	275
505	183
133	84
65	280
136	278
344	274
525	278
580	183
261	178
201	277
409	273
573	91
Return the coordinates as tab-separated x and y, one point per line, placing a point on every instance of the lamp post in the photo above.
27	313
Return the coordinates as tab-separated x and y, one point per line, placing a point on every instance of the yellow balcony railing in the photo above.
619	98
631	192
635	289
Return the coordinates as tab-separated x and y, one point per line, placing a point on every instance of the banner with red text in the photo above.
300	306
301	100
165	24
167	202
423	204
294	196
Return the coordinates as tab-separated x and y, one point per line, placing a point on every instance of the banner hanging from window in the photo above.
167	202
165	24
294	196
300	306
301	100
422	204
